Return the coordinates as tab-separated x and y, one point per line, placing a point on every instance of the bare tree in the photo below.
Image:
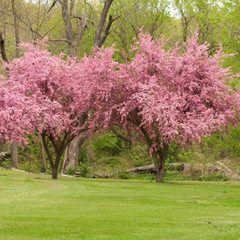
187	14
16	27
73	39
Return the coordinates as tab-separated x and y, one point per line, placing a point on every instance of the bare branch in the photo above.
52	6
98	41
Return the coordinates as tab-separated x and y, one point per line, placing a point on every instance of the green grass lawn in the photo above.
35	207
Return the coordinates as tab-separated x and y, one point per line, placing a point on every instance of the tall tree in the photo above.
69	12
14	150
16	27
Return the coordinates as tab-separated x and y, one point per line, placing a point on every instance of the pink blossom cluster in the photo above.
166	95
176	95
50	94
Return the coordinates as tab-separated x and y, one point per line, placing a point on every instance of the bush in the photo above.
85	170
30	166
140	156
124	175
30	158
108	144
70	170
214	177
6	163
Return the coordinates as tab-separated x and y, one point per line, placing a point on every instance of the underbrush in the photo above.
108	156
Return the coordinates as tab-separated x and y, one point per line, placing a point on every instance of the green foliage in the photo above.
222	145
70	170
6	163
176	176
139	155
30	158
174	151
30	166
107	144
214	177
124	175
187	156
85	170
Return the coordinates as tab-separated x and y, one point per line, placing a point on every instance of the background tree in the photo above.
83	19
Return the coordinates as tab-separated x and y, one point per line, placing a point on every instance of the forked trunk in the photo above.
58	150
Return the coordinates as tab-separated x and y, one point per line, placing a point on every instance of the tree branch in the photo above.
106	7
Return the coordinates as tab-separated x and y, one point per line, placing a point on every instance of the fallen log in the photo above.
224	166
143	169
181	167
151	169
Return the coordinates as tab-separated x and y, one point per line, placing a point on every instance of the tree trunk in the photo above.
43	155
160	173
99	39
159	159
14	155
72	152
71	155
16	28
55	172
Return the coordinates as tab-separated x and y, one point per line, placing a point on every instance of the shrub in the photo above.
70	170
85	170
214	177
124	175
108	144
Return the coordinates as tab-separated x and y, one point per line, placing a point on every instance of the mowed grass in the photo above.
36	207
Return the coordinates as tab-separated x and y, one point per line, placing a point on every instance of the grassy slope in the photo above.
70	208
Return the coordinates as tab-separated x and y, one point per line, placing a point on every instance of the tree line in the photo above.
75	27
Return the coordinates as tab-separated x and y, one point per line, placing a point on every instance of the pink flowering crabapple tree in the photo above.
53	97
177	96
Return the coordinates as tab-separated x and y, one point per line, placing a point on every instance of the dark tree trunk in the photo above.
55	172
159	159
58	150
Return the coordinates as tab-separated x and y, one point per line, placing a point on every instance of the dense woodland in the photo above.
75	27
